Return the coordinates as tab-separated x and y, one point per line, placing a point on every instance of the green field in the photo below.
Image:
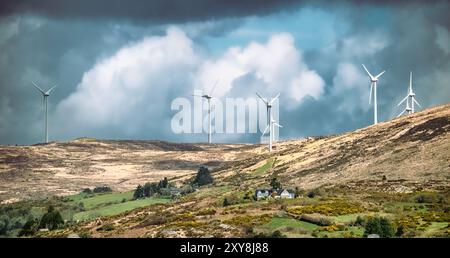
117	208
352	231
283	224
265	167
91	201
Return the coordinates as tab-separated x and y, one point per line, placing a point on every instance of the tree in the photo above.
139	192
150	189
203	177
163	183
52	219
29	228
226	202
297	192
380	226
4	224
275	183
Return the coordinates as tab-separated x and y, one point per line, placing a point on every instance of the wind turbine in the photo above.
208	98
45	94
410	97
270	121
373	87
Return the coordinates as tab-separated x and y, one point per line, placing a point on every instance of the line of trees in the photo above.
151	189
166	188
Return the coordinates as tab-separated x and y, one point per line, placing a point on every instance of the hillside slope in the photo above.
62	168
410	152
397	169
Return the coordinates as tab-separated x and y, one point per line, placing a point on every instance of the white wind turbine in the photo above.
373	87
45	94
270	121
208	98
410	98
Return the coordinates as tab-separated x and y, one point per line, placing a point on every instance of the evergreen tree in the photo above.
52	219
380	226
297	192
139	192
29	228
275	183
203	177
150	189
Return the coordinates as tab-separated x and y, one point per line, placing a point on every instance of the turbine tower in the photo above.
270	121
373	87
208	98
45	94
410	98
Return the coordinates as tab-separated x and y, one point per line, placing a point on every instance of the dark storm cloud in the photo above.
166	11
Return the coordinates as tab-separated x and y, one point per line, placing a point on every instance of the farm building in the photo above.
274	193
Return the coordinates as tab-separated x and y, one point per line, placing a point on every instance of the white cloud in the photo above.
443	39
351	81
277	66
130	92
128	89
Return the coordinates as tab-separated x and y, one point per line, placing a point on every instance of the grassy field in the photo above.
117	208
265	167
348	232
91	201
288	226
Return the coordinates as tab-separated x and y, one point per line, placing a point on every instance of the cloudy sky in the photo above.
119	64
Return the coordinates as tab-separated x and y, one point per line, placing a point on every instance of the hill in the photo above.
397	169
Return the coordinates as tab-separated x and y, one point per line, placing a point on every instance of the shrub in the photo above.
380	226
316	219
275	234
225	202
315	192
298	192
203	177
102	189
86	190
359	221
187	189
106	227
429	198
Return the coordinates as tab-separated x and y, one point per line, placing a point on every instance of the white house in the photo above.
280	193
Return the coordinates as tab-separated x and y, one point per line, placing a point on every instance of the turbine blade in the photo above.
376	77
48	92
274	98
265	102
37	87
195	95
415	101
403	100
265	130
410	82
370	94
213	88
370	75
399	115
277	125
